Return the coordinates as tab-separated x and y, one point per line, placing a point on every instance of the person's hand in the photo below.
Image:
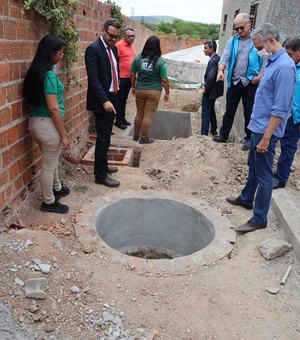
166	97
65	142
220	75
108	106
133	91
262	146
255	80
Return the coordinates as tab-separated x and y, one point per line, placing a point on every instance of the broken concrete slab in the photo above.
272	248
34	288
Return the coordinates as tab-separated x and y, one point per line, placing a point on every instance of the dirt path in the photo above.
226	300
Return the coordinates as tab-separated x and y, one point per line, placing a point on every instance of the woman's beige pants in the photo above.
49	141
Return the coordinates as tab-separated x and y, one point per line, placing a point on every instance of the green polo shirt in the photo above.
149	77
52	85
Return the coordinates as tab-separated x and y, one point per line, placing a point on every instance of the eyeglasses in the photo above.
130	36
112	36
241	28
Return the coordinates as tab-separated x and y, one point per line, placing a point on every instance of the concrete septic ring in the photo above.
187	230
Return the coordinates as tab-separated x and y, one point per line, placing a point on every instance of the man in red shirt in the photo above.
126	52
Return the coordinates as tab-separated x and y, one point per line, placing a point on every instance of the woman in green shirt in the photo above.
44	91
148	75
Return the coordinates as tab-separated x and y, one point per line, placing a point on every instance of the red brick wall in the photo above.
20	33
171	43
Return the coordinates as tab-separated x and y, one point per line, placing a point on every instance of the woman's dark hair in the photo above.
41	64
152	49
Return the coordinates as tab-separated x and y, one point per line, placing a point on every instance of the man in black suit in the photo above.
212	89
102	66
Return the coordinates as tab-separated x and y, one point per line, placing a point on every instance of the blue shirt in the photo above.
296	102
274	95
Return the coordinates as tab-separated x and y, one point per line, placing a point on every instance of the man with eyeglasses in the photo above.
102	66
271	111
244	71
212	90
126	52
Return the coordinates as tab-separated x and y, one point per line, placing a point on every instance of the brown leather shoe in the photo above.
249	227
109	182
112	169
239	202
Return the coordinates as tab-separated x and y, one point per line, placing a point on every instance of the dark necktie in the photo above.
114	72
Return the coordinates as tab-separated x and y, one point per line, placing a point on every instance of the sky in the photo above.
205	11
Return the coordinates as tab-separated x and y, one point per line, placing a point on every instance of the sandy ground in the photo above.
226	300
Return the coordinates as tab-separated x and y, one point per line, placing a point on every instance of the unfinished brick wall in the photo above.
20	33
170	43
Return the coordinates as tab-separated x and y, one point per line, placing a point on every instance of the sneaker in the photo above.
63	192
55	207
136	138
246	145
146	140
277	184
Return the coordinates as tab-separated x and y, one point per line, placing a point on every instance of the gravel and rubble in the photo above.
89	295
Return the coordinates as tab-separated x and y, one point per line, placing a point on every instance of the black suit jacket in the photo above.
213	88
99	74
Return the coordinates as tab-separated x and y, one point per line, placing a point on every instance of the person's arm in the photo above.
284	86
211	72
224	61
262	146
93	72
52	104
165	84
132	82
257	79
133	72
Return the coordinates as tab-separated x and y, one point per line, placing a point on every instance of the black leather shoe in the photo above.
249	227
112	169
126	122
237	201
109	182
214	133
220	139
120	125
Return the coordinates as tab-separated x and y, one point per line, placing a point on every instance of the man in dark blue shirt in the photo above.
271	110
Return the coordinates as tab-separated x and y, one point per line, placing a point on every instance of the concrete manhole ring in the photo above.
190	233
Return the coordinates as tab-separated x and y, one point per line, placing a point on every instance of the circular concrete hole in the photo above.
154	228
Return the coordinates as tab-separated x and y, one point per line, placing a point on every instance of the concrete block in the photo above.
286	209
34	288
272	248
